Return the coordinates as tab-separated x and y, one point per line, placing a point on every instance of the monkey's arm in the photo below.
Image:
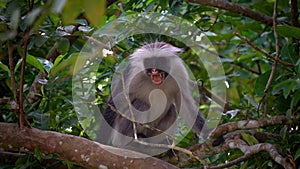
110	115
106	121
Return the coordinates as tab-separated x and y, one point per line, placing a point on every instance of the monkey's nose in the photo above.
154	71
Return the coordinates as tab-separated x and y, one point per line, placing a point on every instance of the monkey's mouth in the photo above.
157	76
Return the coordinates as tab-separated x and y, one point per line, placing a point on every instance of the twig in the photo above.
129	107
172	146
215	98
97	42
277	48
258	72
258	67
249	69
21	113
261	51
12	71
137	122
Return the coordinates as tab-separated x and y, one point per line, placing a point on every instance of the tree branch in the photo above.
234	141
215	98
12	70
249	124
75	149
251	150
232	7
277	48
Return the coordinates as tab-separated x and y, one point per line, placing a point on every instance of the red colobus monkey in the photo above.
149	90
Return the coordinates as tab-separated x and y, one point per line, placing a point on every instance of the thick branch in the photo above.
205	150
232	7
251	150
249	124
75	149
234	141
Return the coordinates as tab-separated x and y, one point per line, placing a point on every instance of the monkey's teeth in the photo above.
157	79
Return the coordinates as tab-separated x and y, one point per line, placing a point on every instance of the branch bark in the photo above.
251	150
75	149
234	141
249	124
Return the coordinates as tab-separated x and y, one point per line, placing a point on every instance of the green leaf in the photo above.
54	18
297	155
35	62
57	60
14	20
2	4
63	45
37	153
39	41
164	4
295	99
18	65
283	132
110	60
261	82
4	67
67	64
71	11
251	140
289	31
287	86
288	53
94	11
246	57
47	65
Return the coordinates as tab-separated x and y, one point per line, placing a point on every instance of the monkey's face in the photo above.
157	68
157	76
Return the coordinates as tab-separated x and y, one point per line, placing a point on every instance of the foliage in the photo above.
66	24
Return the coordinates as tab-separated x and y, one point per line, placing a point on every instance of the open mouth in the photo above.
157	76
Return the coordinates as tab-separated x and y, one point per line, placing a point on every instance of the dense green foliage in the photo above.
67	26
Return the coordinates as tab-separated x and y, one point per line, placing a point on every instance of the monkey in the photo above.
147	93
